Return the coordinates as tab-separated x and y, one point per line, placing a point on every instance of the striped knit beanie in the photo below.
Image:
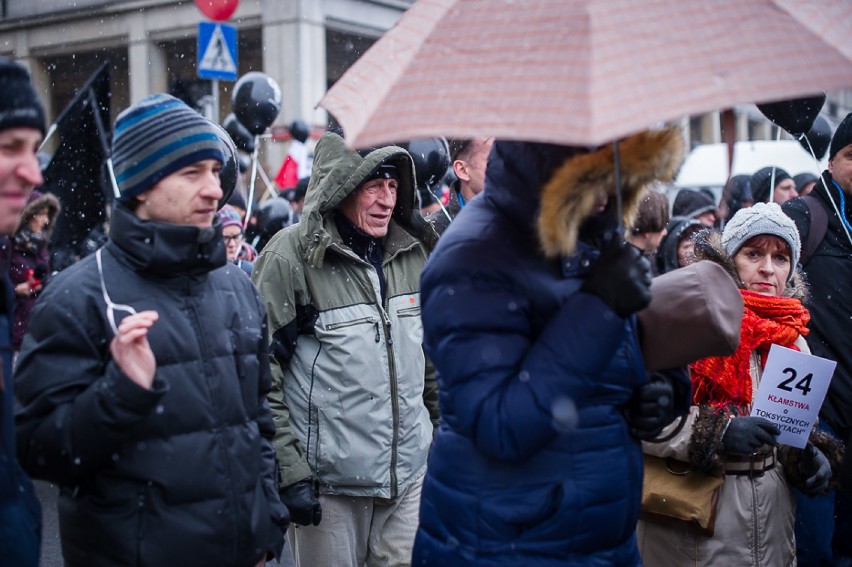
154	138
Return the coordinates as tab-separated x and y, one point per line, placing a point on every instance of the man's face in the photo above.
19	173
189	196
840	167
370	206
471	170
785	191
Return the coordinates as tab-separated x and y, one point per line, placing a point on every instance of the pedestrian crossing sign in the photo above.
217	51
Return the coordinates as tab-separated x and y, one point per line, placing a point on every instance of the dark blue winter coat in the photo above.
533	463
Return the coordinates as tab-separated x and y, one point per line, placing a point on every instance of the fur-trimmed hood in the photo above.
36	202
708	246
573	192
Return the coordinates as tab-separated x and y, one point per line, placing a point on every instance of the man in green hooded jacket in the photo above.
353	402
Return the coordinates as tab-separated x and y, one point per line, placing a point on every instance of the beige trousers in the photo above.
359	531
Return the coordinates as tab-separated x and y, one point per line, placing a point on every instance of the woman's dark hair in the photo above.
653	215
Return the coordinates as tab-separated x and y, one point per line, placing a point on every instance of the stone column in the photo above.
146	61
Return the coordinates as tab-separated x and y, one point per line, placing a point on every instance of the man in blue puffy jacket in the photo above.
528	304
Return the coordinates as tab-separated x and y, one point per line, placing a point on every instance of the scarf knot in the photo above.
767	320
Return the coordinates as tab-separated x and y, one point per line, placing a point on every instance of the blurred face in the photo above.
806	188
189	196
370	206
233	236
763	264
785	191
840	168
708	219
39	221
471	169
685	252
19	173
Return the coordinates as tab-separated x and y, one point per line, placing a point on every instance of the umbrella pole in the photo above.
618	204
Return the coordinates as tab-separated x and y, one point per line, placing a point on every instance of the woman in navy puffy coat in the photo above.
537	460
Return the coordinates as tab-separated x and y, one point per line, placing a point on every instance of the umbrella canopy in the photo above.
584	72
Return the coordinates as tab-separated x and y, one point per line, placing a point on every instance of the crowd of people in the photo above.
384	386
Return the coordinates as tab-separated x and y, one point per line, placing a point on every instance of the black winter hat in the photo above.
692	204
842	137
760	180
20	106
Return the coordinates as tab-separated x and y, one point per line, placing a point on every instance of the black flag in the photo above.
77	173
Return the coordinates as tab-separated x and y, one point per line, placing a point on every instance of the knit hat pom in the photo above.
762	218
156	137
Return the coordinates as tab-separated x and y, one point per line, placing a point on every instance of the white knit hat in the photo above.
762	218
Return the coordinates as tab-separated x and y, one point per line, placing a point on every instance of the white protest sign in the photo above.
791	392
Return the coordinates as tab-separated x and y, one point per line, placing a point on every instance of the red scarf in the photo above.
767	320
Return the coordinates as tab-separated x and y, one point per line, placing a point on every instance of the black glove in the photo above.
747	434
301	500
651	407
621	276
817	470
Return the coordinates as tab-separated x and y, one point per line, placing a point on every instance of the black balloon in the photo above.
239	133
431	158
819	137
797	115
256	101
228	174
299	130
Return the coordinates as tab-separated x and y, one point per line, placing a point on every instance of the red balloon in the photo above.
217	10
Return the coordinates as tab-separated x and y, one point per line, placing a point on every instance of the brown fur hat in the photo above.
572	193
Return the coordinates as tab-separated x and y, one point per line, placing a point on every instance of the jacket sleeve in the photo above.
499	380
274	280
430	393
266	426
76	405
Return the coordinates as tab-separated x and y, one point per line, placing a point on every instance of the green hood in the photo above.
337	172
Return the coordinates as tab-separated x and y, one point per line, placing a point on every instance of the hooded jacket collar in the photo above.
554	189
164	249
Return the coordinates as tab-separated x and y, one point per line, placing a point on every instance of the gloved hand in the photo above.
301	500
817	470
621	276
747	434
651	407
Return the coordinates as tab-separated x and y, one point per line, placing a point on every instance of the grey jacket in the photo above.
349	373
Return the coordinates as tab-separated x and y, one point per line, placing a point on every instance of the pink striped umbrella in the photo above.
584	72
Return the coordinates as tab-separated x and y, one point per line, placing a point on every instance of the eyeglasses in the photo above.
234	238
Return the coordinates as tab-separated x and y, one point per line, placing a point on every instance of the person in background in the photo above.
695	205
760	248
22	128
144	373
354	401
824	529
738	196
761	182
296	198
469	158
805	182
649	228
239	252
677	246
30	264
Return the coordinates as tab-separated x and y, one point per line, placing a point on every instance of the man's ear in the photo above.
460	169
